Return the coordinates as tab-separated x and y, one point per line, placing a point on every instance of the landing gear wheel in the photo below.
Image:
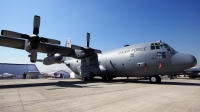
155	79
104	78
84	79
110	78
91	78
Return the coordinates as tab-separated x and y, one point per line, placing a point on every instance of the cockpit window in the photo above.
171	50
166	45
152	47
161	55
155	46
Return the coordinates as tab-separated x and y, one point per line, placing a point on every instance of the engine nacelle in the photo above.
53	59
79	54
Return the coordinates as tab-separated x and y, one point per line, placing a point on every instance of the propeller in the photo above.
34	39
88	51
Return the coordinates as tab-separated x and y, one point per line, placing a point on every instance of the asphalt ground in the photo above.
119	95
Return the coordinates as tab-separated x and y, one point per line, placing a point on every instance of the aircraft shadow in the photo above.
70	84
145	81
75	84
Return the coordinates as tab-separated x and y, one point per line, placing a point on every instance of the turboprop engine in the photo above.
56	58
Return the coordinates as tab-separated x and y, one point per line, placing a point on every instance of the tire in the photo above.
155	79
91	78
85	79
104	78
110	78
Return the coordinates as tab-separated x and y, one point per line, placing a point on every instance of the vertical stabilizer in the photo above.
68	43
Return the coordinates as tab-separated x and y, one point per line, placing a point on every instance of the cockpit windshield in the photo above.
170	49
162	45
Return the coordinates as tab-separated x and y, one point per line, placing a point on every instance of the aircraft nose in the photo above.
182	61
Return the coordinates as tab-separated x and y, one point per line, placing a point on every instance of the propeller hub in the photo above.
87	48
33	45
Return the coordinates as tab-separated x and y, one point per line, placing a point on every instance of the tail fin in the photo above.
68	43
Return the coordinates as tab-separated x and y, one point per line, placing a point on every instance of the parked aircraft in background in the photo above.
7	75
192	72
150	59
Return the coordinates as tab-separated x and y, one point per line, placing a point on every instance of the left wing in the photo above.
12	42
18	43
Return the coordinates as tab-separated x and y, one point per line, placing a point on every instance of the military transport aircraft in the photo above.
150	59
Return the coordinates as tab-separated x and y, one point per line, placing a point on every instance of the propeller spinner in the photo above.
34	39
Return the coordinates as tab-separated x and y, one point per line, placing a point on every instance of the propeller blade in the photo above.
87	62
77	47
10	33
88	39
14	34
36	25
52	41
33	55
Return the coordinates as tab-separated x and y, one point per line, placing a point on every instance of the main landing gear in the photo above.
104	78
155	79
88	78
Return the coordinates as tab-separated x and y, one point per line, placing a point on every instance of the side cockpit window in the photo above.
155	46
161	55
152	47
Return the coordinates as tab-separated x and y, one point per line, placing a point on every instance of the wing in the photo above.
42	47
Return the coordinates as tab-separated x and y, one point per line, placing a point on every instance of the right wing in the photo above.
42	47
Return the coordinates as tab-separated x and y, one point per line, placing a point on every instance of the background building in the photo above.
62	74
17	69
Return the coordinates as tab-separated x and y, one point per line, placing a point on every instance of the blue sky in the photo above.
112	24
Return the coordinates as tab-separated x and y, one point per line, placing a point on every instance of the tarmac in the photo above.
120	95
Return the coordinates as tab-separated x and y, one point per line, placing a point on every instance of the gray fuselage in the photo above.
140	60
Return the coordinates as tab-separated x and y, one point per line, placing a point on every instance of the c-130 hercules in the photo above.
150	59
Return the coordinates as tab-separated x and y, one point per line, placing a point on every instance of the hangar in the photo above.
17	69
62	74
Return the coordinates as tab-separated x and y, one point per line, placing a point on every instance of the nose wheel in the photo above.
155	79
